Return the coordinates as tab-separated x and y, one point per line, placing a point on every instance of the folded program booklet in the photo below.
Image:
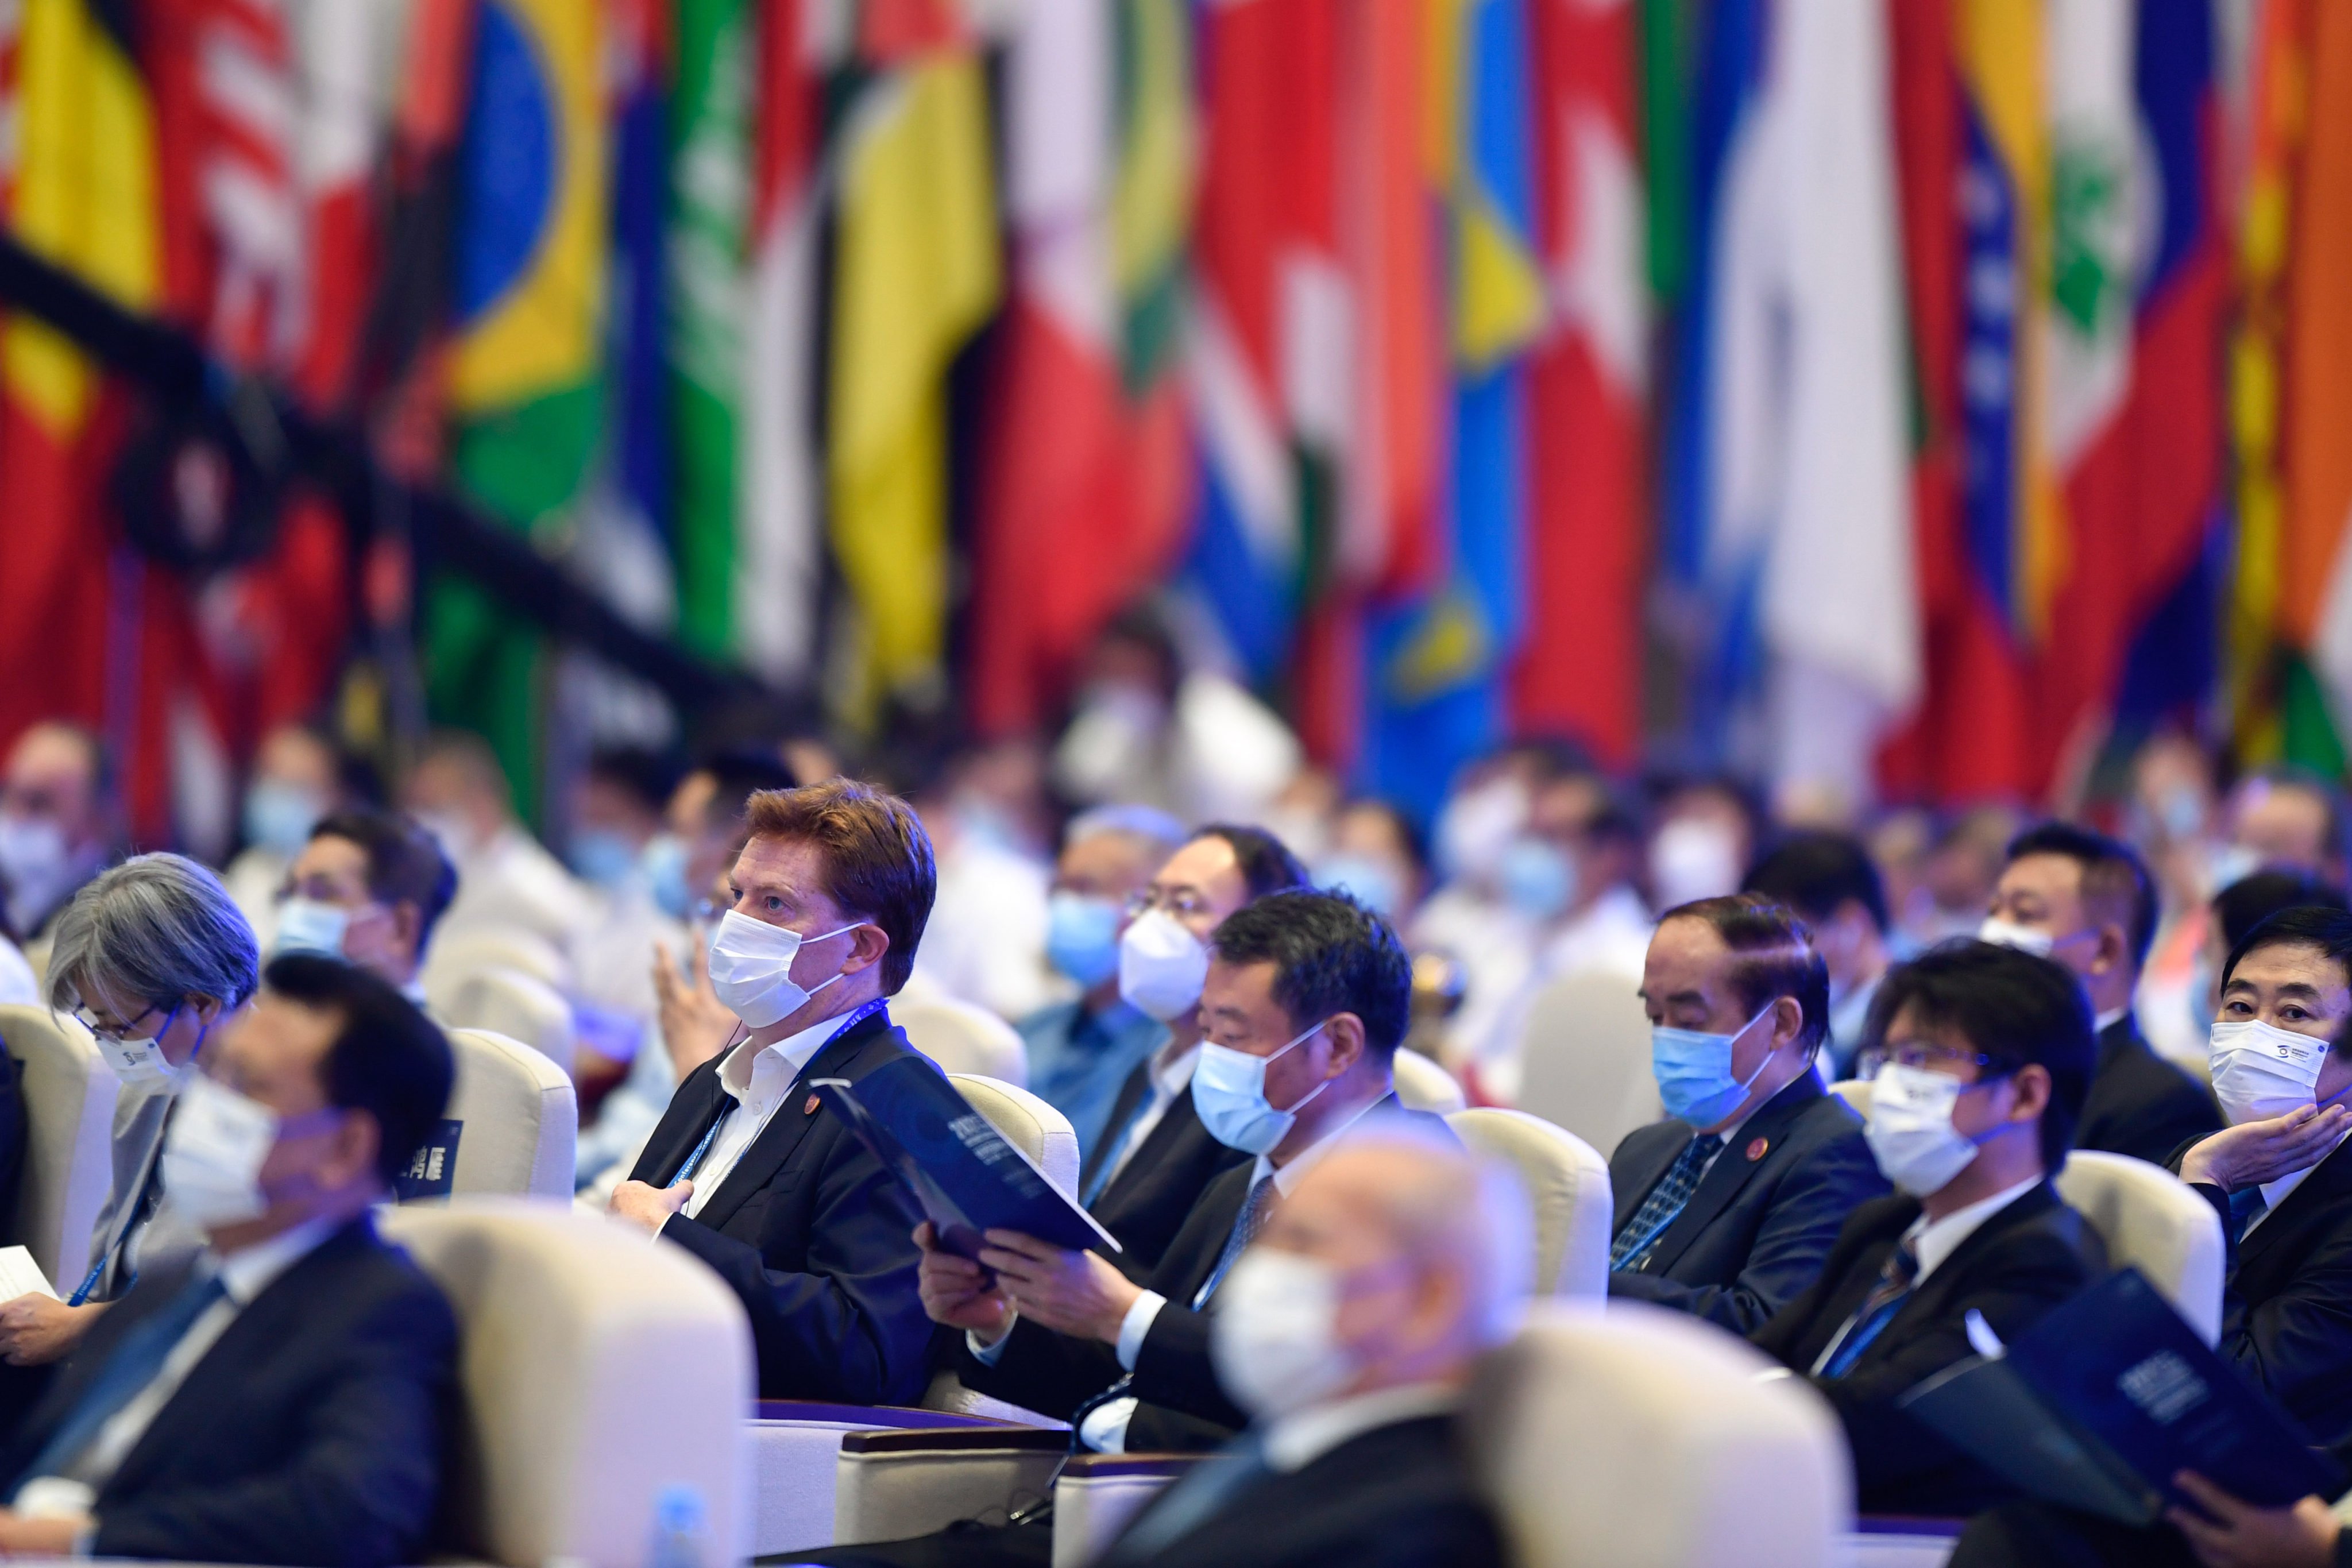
2101	1402
965	1176
20	1276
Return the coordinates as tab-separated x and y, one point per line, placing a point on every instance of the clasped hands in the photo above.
1075	1293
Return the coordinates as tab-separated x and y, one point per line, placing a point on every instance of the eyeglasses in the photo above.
1176	902
115	1033
1933	1057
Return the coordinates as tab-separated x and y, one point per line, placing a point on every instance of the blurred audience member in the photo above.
2278	1176
57	822
367	887
1960	872
1987	1054
284	1394
2169	817
1304	814
986	940
297	778
616	812
154	959
810	1229
1829	880
1082	1051
2286	817
1375	856
1156	1155
2085	901
506	881
1570	878
1900	842
1144	732
618	842
20	987
1702	835
1727	1209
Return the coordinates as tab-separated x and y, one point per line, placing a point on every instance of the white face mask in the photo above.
1694	859
2261	1070
308	925
136	1062
1161	966
1910	1129
2008	934
1273	1338
212	1155
36	866
1475	827
752	968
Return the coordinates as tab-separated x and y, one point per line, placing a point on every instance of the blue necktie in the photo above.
1664	1206
1113	1144
2247	1204
132	1367
1246	1225
1877	1311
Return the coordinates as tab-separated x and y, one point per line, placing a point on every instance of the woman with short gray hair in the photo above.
153	957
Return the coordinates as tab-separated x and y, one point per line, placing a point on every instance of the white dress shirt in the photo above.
758	1079
1934	1242
244	1275
1169	1079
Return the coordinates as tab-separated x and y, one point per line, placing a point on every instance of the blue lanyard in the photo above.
694	1160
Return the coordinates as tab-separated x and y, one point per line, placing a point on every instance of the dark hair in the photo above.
1408	833
644	774
2308	925
388	1058
1330	955
1815	873
1266	864
739	774
2292	775
1772	956
2251	899
2013	1007
877	858
405	863
2112	875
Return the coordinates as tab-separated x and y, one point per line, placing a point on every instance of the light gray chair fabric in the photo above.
511	1002
518	1118
1567	1190
1423	1085
1585	1061
69	1099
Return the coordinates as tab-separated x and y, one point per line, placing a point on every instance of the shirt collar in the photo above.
1171	1080
1938	1241
749	1073
1303	1436
1286	1177
2110	1018
249	1270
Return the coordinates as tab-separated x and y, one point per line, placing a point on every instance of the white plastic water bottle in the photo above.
681	1530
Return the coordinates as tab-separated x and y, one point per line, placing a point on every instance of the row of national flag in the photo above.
1879	396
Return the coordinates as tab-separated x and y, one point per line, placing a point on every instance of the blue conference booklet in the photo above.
966	1176
2101	1402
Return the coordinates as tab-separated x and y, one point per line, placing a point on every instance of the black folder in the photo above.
966	1177
2102	1401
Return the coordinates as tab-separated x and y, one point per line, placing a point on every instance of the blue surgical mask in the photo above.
662	864
1229	1094
278	817
1693	1070
1371	883
308	925
603	856
1537	877
1082	937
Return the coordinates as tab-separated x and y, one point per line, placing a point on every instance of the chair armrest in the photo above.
793	1444
1099	1494
1892	1540
888	1484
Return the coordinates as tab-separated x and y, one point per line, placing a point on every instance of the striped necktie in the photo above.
1664	1206
1246	1225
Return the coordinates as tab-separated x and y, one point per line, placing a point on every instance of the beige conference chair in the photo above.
68	1135
963	1037
1568	1188
595	1373
511	1002
1423	1085
519	1121
455	952
796	1444
1584	1061
1640	1438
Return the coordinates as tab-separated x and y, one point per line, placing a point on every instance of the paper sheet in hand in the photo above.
20	1276
2100	1402
965	1176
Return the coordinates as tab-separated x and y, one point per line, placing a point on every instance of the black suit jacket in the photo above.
1146	1205
813	1233
2140	1104
2286	1301
2015	1266
1395	1497
311	1431
1764	1216
1182	1408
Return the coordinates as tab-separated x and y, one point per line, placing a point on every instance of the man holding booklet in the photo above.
746	1171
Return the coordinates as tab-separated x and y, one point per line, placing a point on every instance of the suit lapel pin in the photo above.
1756	1149
809	1108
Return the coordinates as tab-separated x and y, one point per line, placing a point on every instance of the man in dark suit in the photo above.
1727	1209
2085	899
1142	1178
283	1395
746	1171
1830	880
1987	1055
